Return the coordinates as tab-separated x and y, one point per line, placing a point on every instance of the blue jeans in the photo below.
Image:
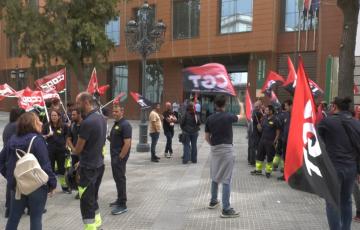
342	220
225	194
190	147
154	140
35	202
169	136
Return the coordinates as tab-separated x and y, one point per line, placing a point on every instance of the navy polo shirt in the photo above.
93	131
269	127
120	131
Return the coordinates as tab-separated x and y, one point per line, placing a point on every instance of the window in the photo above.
236	16
13	48
297	16
186	18
120	80
112	31
154	82
260	73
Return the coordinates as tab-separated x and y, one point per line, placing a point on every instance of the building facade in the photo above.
249	37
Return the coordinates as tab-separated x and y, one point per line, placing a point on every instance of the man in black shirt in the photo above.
168	126
254	134
89	146
270	133
74	133
219	134
120	144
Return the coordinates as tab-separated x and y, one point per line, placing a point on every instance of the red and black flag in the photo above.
271	81
142	101
290	82
274	100
93	86
209	78
315	89
307	166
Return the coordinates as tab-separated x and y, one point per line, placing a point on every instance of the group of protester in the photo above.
268	133
73	153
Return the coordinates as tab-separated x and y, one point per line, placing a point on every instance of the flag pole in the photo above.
63	107
66	90
299	31
314	43
46	111
307	29
103	106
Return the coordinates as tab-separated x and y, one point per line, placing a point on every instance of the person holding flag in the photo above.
270	133
343	154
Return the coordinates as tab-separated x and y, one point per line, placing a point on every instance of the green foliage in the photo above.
72	31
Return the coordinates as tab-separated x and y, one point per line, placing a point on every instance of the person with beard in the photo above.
154	130
270	133
55	134
89	147
120	145
168	126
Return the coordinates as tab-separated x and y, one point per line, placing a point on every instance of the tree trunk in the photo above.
350	9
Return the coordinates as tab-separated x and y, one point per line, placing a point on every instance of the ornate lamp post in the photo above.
19	77
144	37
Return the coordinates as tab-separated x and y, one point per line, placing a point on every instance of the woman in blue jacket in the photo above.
28	126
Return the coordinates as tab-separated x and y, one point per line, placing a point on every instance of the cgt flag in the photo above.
55	81
307	166
30	99
270	83
6	91
142	101
209	78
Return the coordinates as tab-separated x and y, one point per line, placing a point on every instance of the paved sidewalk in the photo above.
169	195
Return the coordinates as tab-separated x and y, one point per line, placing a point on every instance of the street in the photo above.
170	195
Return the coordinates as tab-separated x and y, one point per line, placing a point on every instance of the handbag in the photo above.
181	138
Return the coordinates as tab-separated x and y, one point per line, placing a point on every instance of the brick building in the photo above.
250	37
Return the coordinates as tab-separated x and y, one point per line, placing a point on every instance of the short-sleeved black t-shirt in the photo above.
74	132
269	127
121	130
93	131
219	125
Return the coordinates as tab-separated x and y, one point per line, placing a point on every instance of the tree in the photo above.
72	31
350	10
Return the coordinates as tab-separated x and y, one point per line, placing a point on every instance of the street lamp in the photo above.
144	37
19	77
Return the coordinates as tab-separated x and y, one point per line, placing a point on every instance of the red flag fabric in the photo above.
55	81
6	91
315	89
93	85
102	89
30	99
307	4
307	165
51	94
142	101
248	105
117	99
356	89
209	78
271	81
290	82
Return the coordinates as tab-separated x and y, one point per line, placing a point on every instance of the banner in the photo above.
209	78
30	99
6	91
142	101
248	105
307	165
271	80
55	81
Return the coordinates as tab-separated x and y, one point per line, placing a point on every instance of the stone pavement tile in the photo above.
169	195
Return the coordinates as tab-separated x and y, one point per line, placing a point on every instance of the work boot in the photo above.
256	172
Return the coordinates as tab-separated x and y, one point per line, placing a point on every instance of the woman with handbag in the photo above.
28	127
55	133
190	126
